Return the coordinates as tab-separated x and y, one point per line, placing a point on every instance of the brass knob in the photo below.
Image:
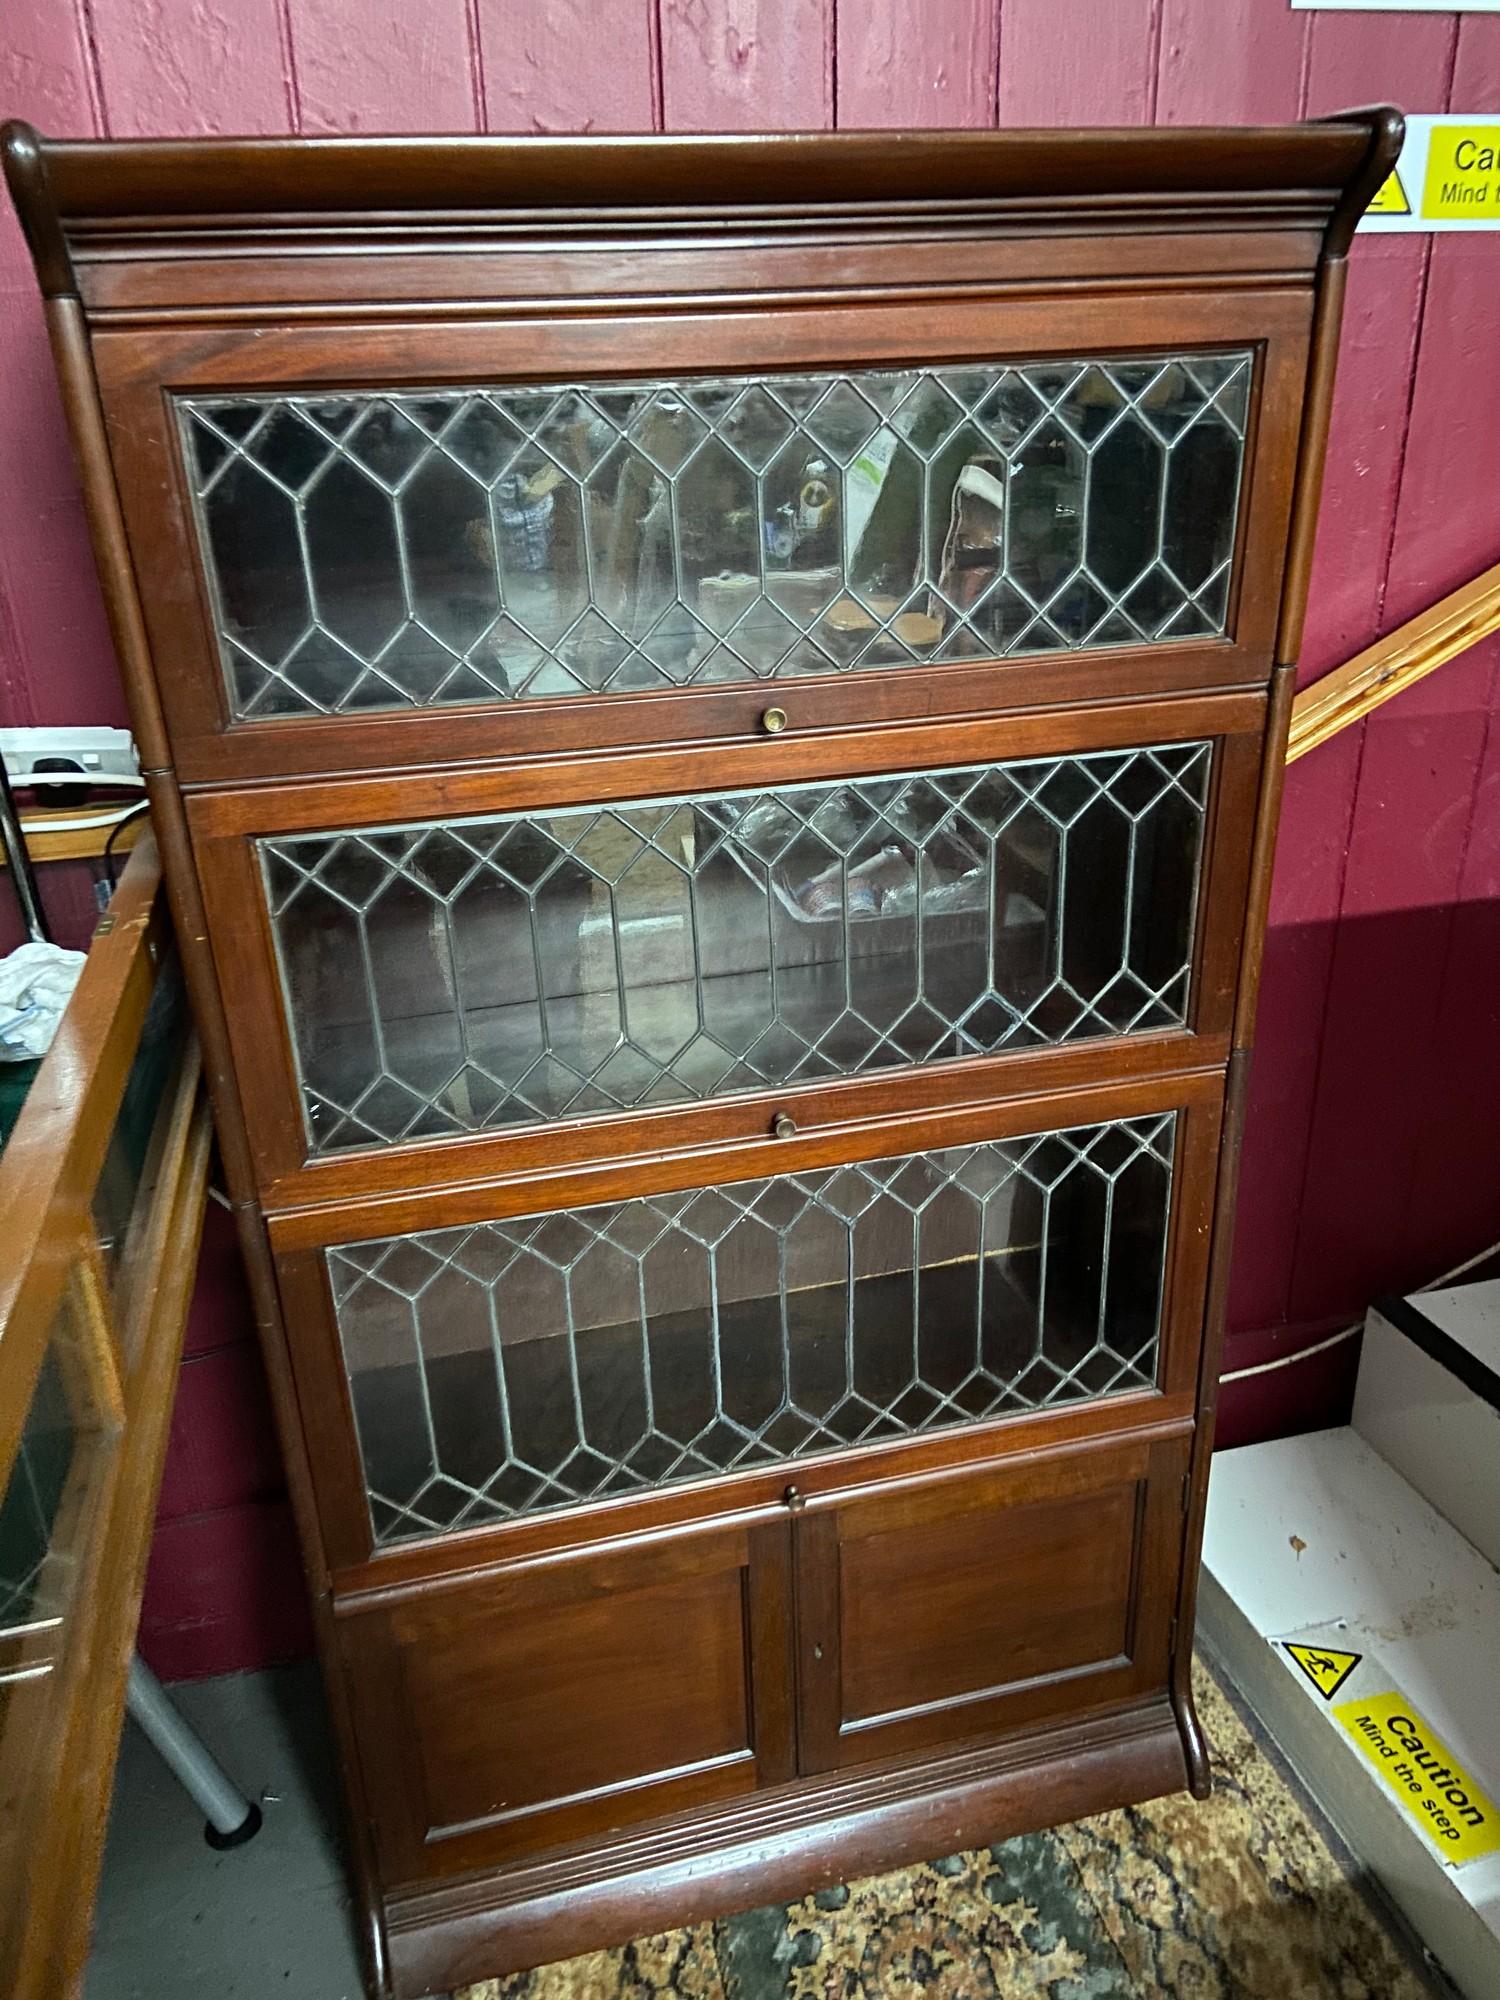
773	721
793	1500
783	1125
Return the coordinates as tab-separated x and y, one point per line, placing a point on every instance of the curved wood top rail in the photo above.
1393	664
1329	166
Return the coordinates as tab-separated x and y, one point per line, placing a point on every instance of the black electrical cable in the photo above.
114	833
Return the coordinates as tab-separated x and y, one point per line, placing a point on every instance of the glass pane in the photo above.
457	977
29	1508
46	1507
451	546
136	1121
561	1358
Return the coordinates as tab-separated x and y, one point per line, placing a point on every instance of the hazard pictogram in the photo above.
1391	200
1324	1666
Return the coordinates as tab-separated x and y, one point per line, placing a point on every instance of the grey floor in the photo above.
177	1921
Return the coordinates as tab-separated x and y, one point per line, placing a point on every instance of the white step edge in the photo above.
1410	1590
1428	1400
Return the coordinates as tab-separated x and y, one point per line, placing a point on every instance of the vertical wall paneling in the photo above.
1078	62
1422	768
1451	1204
742	65
1241	65
181	66
897	66
1348	60
384	65
55	659
566	65
1367	435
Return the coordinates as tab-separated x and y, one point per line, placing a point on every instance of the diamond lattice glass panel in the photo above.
561	1358
456	977
379	551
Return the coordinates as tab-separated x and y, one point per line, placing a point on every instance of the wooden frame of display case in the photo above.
797	1740
114	1321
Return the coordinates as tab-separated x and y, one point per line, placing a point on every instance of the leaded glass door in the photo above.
501	525
530	1362
445	548
466	975
586	974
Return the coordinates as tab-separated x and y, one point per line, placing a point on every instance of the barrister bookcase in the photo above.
714	711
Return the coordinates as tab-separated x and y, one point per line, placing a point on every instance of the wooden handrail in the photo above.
1393	664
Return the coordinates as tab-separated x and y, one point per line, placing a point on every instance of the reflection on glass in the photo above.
479	973
562	1358
33	1497
456	546
136	1121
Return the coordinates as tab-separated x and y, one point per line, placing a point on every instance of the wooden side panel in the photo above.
1078	62
382	66
935	67
747	65
934	1612
566	65
537	1706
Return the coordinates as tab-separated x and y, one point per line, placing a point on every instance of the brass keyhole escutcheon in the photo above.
794	1500
773	721
783	1125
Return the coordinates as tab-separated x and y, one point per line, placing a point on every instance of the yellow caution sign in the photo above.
1391	199
1325	1666
1448	176
1462	182
1426	1779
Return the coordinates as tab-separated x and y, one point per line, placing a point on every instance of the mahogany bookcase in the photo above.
714	710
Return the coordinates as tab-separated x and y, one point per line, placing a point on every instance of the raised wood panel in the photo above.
934	1612
954	1609
534	1706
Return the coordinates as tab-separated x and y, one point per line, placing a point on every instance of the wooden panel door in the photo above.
541	1705
965	1605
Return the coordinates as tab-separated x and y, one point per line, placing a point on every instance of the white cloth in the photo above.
36	983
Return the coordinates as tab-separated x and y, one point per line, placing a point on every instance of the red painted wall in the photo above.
1371	1160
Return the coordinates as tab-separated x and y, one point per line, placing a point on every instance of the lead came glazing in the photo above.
479	973
555	1359
377	551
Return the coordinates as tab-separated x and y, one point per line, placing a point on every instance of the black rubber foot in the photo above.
247	1829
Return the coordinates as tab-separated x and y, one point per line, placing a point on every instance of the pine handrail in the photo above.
1393	664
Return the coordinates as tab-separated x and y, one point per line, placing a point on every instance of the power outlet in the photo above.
69	757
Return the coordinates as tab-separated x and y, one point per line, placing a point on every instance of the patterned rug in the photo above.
1243	1898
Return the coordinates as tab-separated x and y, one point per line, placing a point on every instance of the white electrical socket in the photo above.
99	756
